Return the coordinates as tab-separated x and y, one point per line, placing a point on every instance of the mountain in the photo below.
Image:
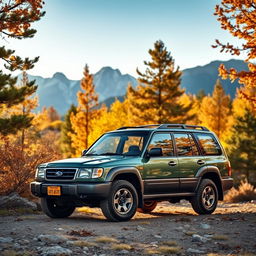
60	92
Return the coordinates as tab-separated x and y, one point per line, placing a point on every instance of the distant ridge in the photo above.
60	92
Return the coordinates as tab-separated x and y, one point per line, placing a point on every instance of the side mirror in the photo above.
155	152
84	152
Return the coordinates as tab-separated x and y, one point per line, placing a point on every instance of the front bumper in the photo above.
80	190
227	183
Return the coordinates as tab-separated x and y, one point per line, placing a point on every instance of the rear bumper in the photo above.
80	190
227	183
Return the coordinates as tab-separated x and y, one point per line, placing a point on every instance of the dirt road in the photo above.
170	229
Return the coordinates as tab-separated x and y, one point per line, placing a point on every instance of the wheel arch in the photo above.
130	174
212	173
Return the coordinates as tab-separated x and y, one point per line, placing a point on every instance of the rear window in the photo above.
209	144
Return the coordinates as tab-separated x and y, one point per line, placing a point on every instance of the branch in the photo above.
11	8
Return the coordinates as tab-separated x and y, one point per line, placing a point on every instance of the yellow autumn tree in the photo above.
215	111
86	112
239	18
111	119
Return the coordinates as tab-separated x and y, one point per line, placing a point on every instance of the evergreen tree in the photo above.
86	112
155	100
215	111
242	145
15	19
66	130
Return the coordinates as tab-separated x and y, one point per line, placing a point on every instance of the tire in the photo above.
206	199
121	203
57	208
148	207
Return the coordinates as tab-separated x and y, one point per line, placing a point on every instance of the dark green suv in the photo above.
133	168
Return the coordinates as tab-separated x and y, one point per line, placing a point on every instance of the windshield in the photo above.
120	143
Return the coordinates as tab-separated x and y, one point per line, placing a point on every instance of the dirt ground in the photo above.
169	229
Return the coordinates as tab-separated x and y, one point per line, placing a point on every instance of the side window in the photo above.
185	144
209	144
163	141
133	141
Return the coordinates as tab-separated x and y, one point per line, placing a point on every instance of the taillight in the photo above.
229	169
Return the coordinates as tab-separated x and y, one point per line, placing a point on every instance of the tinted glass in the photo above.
119	143
163	141
185	145
208	144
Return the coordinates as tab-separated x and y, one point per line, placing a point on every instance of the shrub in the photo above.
245	192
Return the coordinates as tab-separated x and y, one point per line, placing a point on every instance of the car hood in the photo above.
87	161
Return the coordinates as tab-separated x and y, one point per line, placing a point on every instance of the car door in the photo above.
189	159
160	173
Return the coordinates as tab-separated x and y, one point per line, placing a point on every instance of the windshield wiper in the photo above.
91	154
110	154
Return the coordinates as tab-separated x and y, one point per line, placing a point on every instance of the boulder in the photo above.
55	251
15	201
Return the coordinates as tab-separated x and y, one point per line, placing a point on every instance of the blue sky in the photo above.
118	33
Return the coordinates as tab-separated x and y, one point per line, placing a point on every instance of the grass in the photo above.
220	237
169	250
120	247
106	239
245	192
14	253
151	252
144	223
170	243
84	209
82	243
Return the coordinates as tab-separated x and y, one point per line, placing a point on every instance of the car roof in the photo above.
164	127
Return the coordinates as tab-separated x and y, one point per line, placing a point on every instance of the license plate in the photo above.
53	191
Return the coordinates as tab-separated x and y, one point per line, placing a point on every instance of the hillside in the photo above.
60	92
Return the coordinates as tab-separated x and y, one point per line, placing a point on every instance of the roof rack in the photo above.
166	126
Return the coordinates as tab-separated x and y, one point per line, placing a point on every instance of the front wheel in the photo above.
206	199
121	203
57	208
148	207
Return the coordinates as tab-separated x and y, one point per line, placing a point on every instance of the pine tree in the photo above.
242	144
155	100
215	111
66	130
15	21
86	112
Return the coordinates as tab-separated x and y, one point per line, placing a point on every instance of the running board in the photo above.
152	196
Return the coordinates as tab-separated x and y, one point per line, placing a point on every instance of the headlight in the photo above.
40	172
87	173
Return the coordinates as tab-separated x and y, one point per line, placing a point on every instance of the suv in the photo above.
134	168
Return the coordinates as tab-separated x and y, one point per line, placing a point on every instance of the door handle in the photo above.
200	162
172	163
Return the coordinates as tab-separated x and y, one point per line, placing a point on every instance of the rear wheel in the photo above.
206	199
148	207
57	208
122	202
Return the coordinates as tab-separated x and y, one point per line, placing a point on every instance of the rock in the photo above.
15	201
140	228
55	251
198	238
157	236
123	252
205	226
52	239
6	239
191	250
85	249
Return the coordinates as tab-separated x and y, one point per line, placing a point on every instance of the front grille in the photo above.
60	174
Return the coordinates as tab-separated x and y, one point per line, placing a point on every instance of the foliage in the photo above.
86	112
155	100
245	192
66	130
15	21
18	164
242	143
215	111
238	17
